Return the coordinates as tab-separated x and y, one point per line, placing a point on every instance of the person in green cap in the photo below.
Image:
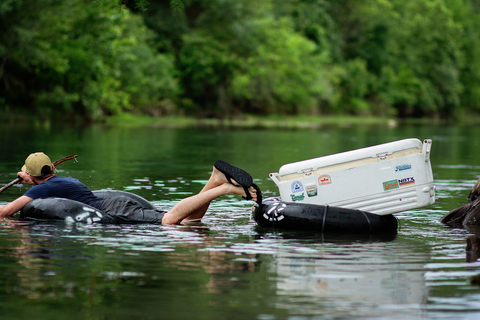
38	171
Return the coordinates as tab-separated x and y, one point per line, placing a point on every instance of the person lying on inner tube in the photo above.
38	171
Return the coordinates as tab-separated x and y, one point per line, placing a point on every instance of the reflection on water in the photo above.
45	263
359	279
226	267
473	245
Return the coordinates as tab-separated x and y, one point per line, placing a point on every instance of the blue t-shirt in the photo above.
62	187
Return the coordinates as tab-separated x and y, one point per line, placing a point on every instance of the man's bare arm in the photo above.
14	206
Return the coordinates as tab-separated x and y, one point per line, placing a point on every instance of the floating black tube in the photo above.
74	211
273	213
60	208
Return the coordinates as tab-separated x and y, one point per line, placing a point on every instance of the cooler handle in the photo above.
427	146
274	177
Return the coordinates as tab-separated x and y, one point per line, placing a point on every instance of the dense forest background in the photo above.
223	58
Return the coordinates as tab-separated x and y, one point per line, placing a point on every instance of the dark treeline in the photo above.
222	58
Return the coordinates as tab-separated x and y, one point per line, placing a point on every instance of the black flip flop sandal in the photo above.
240	176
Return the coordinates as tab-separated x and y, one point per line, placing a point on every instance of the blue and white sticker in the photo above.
403	167
297	186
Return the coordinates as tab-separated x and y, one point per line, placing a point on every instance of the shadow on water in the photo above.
318	237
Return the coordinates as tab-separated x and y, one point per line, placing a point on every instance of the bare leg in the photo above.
188	206
195	207
216	179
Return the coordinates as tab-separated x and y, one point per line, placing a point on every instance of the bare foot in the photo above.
218	178
253	193
238	189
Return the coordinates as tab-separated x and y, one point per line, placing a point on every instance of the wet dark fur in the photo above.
468	214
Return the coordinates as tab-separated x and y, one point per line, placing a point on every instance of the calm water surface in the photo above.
226	267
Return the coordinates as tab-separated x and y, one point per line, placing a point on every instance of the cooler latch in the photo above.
382	155
307	171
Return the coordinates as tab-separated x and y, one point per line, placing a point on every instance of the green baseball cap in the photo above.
35	162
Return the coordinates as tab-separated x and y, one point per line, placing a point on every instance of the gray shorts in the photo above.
124	210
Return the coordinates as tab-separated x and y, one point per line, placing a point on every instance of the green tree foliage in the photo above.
235	56
75	58
412	50
432	59
225	57
388	56
281	73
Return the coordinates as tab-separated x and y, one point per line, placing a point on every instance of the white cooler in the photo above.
382	179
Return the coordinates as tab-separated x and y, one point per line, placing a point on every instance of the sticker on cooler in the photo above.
403	167
397	183
390	185
297	186
297	197
311	190
324	179
406	182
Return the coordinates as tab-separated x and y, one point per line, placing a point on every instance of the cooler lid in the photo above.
352	158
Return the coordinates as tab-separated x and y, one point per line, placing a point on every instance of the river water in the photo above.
227	267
